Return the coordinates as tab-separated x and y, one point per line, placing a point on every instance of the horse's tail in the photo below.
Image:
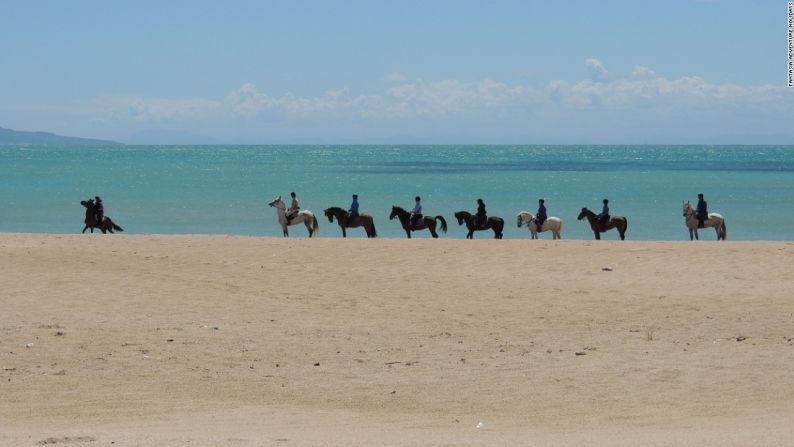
501	227
443	223
115	227
315	226
724	230
374	231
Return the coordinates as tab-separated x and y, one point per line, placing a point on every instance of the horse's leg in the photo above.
597	235
407	232
344	232
84	228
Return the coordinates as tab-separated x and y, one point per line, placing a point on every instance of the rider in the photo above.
352	213
293	208
702	212
604	216
416	213
99	209
482	216
541	216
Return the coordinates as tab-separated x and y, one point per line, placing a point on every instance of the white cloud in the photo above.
596	70
449	96
642	72
395	77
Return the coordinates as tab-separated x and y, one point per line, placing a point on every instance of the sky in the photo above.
322	72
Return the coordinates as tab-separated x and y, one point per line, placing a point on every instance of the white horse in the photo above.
715	220
552	223
304	216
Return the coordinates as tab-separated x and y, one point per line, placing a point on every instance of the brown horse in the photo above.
619	222
426	222
91	222
497	224
363	220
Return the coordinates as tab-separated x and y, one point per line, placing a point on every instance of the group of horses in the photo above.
496	224
432	223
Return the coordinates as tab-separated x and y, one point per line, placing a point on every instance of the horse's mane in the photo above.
336	208
463	212
399	208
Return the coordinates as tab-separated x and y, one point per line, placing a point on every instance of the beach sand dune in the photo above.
221	340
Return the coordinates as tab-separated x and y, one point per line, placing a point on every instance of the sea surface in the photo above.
225	189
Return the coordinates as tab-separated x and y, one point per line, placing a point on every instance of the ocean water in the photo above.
225	189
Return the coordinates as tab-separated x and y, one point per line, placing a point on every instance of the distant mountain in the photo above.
8	136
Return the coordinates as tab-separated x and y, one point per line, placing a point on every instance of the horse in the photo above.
619	222
363	220
304	216
497	224
427	222
715	220
107	224
552	223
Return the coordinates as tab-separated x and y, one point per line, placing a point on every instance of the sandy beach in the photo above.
225	340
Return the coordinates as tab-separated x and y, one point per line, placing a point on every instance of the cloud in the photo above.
639	96
596	70
642	72
647	88
449	96
395	77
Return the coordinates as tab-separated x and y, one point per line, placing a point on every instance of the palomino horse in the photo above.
428	222
618	222
493	222
552	223
364	220
90	220
715	220
304	216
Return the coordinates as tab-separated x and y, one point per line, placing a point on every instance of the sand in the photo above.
220	340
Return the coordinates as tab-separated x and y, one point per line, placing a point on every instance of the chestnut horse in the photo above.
428	222
90	220
497	224
364	220
619	222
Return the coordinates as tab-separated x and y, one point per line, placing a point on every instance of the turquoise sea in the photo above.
225	189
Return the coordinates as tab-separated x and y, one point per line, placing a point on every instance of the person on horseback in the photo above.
294	207
416	213
604	216
482	215
541	216
702	212
99	209
352	213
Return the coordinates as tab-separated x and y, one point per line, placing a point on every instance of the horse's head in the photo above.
393	212
278	203
524	218
687	208
329	214
462	216
583	214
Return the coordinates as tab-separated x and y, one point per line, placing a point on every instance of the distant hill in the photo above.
8	136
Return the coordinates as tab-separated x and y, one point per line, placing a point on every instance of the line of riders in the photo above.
480	218
95	215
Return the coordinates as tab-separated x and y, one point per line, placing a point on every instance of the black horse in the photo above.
497	224
426	222
91	221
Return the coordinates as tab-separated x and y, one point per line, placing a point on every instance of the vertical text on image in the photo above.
791	44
